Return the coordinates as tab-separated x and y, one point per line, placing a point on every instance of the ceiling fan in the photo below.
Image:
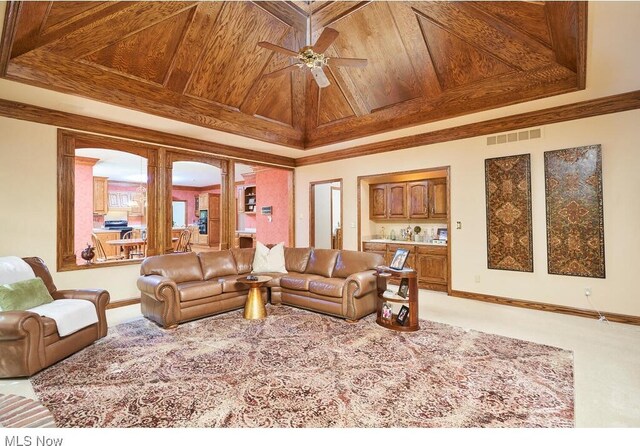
313	57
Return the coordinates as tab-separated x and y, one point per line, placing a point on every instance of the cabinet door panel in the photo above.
432	268
378	201
438	197
397	201
418	193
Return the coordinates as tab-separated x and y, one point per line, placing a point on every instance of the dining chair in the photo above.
101	255
183	244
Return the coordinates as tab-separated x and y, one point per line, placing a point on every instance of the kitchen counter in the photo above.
246	231
404	242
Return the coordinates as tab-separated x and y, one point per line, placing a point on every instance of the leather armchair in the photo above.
30	342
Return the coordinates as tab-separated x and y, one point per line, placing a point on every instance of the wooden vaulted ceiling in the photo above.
199	62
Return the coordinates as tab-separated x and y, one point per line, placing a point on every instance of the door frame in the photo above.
312	206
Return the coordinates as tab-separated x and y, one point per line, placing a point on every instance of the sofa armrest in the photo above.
362	283
98	297
162	293
21	343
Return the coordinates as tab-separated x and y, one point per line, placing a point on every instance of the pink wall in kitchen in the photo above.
189	196
272	189
83	207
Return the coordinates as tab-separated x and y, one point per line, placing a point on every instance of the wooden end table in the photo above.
411	324
254	308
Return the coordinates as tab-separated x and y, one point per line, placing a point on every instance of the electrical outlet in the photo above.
587	292
458	225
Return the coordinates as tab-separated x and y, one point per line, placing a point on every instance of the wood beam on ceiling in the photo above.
579	110
32	113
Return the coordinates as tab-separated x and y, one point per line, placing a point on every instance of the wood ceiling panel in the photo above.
64	11
234	61
333	105
147	54
528	17
471	25
199	62
457	62
193	45
278	104
371	32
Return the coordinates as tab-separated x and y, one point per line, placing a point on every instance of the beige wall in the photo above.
620	139
28	203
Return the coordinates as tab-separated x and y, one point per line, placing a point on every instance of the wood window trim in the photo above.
68	142
227	202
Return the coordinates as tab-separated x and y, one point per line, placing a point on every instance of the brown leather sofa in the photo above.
175	288
30	342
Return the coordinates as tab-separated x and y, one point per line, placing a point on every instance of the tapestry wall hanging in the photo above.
509	230
575	222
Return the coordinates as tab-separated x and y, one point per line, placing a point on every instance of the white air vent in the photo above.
514	137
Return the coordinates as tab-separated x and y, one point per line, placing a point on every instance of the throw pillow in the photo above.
24	295
268	260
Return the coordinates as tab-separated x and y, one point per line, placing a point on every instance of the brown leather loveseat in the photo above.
30	342
175	288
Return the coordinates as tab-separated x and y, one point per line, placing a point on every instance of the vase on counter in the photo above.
392	235
88	253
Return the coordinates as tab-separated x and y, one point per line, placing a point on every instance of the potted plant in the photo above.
416	231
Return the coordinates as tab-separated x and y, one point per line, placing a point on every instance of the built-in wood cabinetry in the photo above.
104	237
429	261
100	195
203	202
250	199
415	200
438	198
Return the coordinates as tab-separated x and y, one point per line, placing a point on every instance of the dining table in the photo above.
129	244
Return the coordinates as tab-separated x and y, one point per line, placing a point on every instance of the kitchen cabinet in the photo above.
100	196
128	201
397	201
414	200
104	237
250	199
240	198
244	240
378	201
418	199
429	261
438	198
203	201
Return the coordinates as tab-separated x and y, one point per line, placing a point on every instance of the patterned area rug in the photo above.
301	369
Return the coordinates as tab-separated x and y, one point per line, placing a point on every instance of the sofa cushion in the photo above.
244	259
198	290
351	262
179	267
321	262
327	287
217	264
24	295
268	260
296	259
230	284
49	326
297	281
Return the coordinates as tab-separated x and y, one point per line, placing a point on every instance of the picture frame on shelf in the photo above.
403	315
442	234
399	259
403	289
387	312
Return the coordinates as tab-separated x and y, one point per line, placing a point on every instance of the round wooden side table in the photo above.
254	308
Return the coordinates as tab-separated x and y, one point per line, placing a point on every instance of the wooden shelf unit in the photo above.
412	322
250	199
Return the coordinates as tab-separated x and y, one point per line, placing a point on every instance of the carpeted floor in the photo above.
301	369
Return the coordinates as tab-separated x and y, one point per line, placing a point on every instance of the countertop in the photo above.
403	242
246	231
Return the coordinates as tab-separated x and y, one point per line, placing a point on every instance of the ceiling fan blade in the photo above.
348	62
321	79
279	49
328	36
280	72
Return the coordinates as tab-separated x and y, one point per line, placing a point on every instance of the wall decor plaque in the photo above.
575	221
509	229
